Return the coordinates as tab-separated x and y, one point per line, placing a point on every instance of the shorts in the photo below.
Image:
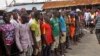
98	34
56	43
39	49
86	22
27	52
63	38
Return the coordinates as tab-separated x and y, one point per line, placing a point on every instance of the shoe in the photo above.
69	48
65	51
63	55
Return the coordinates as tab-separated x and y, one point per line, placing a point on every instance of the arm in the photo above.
31	39
44	34
96	20
17	38
61	34
34	39
3	45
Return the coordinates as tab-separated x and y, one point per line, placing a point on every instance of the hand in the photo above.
62	34
21	52
36	46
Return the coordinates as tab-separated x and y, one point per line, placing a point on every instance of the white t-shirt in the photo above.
87	15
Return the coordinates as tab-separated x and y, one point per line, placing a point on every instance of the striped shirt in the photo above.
98	22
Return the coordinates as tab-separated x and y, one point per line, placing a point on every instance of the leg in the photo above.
98	35
30	51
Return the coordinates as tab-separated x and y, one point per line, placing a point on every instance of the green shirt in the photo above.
55	26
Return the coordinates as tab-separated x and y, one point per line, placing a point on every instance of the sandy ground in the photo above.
88	47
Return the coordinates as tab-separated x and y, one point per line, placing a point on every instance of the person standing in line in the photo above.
77	28
56	32
62	24
47	36
15	21
87	16
97	26
92	23
24	38
14	18
68	40
1	40
32	14
36	33
72	27
7	33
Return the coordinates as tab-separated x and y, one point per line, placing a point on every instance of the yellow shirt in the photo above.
35	26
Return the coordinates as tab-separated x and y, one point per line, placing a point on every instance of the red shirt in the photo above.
41	22
47	31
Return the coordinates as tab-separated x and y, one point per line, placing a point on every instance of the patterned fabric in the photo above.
1	22
98	22
8	32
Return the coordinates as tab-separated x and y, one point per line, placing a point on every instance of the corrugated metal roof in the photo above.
58	4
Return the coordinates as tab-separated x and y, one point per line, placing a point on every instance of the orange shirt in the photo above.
72	27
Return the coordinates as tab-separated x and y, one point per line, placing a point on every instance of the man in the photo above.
56	31
87	17
98	26
63	27
36	34
1	20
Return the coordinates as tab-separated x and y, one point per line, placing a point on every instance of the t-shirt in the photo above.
35	26
8	32
25	36
87	15
14	23
55	26
47	31
97	22
62	24
1	21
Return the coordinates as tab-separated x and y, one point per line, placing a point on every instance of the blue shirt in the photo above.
62	24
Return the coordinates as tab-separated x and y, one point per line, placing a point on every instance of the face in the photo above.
34	9
15	16
7	18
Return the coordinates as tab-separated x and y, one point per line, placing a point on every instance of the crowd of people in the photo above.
45	33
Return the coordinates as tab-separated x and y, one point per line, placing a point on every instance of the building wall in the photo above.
27	7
